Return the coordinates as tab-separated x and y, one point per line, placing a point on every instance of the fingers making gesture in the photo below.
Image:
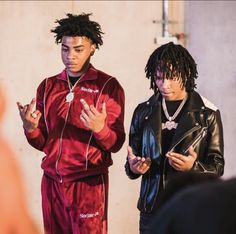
182	162
30	117
92	118
138	165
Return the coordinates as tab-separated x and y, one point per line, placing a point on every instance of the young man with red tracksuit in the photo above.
77	123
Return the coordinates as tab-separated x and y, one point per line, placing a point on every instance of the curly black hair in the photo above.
172	60
78	25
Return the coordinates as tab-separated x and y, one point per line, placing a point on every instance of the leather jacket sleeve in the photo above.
134	141
212	159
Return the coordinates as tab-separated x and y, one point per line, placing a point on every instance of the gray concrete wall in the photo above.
210	27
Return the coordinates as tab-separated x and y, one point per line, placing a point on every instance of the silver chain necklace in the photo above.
170	123
70	95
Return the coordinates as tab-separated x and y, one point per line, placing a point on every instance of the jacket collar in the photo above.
90	74
187	123
195	102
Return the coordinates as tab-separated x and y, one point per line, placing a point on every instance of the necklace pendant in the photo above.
70	96
170	125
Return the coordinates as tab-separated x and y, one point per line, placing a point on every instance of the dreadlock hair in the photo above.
78	25
172	61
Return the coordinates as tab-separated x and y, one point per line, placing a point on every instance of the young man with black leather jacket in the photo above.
175	131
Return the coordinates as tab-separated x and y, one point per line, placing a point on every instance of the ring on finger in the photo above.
34	115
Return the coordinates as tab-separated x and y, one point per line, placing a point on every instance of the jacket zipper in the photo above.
194	143
60	147
146	194
164	167
60	141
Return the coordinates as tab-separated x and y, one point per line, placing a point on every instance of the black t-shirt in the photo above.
73	79
167	135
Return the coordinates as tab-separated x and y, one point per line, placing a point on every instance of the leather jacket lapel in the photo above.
190	120
187	124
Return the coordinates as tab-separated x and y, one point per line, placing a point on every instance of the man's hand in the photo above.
92	118
138	165
181	162
30	118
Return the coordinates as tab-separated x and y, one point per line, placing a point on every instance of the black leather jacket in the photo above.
200	126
